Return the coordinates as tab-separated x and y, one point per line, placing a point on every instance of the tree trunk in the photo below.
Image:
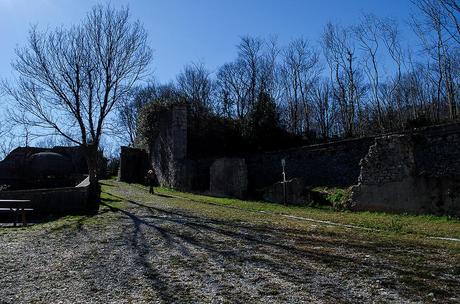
94	194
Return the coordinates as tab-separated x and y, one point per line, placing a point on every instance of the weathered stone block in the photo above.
229	177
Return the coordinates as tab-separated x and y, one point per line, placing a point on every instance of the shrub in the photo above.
338	198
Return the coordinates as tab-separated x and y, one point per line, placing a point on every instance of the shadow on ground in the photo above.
281	256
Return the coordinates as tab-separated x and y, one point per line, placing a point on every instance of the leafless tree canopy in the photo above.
362	80
70	79
195	84
125	126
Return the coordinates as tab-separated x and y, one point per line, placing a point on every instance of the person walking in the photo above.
151	180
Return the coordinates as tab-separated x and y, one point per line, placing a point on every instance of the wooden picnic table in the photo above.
16	206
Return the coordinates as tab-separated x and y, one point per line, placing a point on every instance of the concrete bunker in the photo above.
55	180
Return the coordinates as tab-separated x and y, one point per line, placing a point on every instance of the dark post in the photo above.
283	164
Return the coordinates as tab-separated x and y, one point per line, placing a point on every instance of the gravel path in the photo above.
151	251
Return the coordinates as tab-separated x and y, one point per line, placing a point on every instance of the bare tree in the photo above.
446	11
339	50
392	40
368	34
300	69
270	74
437	31
232	86
250	54
71	79
324	112
128	111
255	70
451	11
195	84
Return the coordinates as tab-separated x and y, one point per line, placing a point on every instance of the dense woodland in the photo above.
358	80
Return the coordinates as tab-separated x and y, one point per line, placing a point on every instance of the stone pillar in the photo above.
179	132
168	151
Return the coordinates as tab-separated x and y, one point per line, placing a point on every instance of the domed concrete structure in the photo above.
34	168
49	164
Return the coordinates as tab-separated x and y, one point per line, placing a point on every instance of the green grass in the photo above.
111	201
422	225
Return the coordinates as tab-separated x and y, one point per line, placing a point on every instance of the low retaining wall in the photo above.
59	201
296	193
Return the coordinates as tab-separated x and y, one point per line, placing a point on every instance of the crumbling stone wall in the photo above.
134	164
416	172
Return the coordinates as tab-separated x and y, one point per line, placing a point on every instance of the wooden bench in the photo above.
16	206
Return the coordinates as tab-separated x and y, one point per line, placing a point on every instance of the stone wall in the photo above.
58	201
291	192
416	172
228	177
332	164
134	164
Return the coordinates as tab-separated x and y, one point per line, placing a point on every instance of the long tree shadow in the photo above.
285	260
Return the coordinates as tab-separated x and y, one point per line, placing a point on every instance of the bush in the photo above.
338	198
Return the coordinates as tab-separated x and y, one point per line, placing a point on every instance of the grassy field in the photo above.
418	225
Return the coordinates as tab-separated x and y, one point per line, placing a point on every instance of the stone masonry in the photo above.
229	177
413	173
168	151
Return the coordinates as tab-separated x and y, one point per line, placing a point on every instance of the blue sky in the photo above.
183	31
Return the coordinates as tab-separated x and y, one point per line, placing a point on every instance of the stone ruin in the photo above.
415	172
167	154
